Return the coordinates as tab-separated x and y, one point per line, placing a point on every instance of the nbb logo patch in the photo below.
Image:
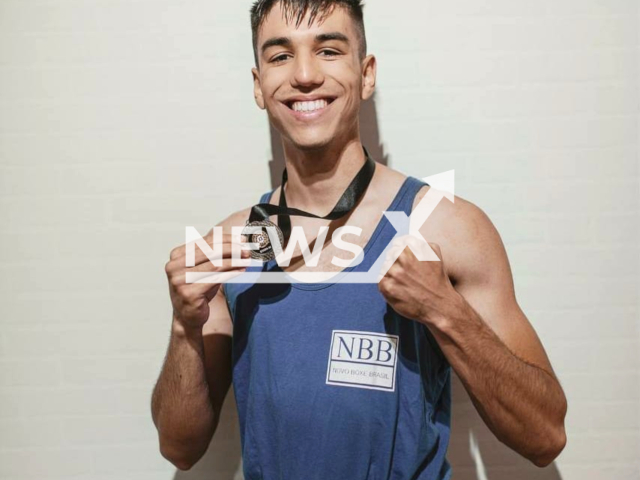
363	360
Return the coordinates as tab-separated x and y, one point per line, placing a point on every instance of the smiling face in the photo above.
311	80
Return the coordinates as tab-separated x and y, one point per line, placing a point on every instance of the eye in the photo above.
330	53
279	58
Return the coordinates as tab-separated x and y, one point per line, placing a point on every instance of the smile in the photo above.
309	106
309	109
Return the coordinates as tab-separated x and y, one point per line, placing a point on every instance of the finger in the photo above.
205	270
401	241
225	250
393	253
204	284
209	239
400	244
386	264
225	264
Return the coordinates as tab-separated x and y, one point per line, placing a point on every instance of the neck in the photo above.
317	179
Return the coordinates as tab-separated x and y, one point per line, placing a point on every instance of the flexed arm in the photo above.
482	331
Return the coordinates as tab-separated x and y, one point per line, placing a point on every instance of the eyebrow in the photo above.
286	41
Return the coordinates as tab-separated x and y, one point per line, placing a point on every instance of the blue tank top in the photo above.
332	384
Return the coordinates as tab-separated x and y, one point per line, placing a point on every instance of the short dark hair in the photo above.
298	9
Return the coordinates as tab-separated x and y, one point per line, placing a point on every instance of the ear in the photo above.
369	65
257	88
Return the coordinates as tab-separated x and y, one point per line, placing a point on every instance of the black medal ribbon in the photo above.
260	213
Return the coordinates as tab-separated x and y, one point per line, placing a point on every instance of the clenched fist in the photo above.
419	290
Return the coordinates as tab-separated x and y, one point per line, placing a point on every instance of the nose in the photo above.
307	72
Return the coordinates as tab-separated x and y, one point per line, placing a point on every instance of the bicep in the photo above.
483	277
217	334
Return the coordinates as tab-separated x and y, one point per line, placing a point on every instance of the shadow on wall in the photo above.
474	452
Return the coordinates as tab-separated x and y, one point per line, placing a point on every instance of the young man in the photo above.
305	411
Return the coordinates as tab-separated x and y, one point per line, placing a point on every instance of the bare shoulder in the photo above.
386	182
459	214
467	237
389	175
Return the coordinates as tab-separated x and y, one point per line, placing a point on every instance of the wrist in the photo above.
442	318
181	330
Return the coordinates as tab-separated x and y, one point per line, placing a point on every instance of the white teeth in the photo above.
309	106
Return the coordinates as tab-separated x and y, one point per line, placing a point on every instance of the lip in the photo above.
309	98
308	115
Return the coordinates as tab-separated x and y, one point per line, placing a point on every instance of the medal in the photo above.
259	216
266	250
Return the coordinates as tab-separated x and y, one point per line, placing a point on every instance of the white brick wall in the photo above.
123	121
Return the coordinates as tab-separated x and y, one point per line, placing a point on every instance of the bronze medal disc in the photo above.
265	250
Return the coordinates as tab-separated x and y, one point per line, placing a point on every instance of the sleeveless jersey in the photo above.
332	384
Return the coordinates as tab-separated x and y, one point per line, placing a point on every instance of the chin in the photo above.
311	143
